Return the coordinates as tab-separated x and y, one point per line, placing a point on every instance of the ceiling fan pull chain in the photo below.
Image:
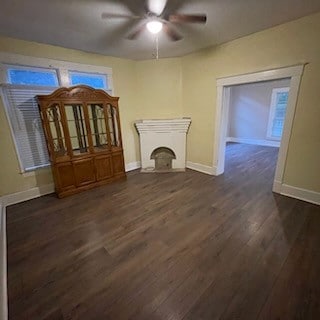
157	46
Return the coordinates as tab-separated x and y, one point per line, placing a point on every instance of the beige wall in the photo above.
285	45
187	87
147	89
159	88
124	79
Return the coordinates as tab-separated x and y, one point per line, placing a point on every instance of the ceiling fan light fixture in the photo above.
154	26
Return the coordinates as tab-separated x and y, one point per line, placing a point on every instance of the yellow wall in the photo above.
132	103
187	87
124	80
285	45
159	88
147	89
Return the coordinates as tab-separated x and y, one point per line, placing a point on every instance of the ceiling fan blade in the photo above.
156	6
172	34
136	33
106	15
188	18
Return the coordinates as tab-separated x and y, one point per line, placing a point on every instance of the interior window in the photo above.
95	80
32	76
278	108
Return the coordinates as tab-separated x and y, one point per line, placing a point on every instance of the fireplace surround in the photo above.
163	144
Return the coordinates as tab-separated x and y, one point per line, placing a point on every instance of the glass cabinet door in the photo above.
58	145
98	127
77	128
113	125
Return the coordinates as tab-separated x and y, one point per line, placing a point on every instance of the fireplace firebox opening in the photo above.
163	158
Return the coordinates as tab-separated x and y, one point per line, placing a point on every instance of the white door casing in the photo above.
294	73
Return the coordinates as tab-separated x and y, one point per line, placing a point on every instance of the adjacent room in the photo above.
257	112
256	116
159	159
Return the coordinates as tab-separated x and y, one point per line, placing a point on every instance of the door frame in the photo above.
294	73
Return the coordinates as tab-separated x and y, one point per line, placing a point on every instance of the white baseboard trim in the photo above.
266	143
201	168
301	194
276	186
46	189
3	264
297	193
32	193
132	166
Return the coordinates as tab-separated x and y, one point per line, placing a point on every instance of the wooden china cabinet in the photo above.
82	130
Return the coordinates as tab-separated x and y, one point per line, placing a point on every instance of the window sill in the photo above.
32	172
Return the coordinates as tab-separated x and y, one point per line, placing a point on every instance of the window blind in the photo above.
24	118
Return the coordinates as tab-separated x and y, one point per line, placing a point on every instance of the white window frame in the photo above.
272	111
62	67
8	60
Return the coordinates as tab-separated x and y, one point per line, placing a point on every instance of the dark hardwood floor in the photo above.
168	246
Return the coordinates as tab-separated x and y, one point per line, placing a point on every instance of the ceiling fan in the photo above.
156	18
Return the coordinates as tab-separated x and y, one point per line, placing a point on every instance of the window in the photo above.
97	81
22	110
23	78
278	108
32	76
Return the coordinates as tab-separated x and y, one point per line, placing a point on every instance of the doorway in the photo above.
222	112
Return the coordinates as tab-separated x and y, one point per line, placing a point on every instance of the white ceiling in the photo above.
77	24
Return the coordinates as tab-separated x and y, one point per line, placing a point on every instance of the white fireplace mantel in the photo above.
169	133
164	125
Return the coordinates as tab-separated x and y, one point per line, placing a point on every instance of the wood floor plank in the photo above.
296	292
145	302
168	246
